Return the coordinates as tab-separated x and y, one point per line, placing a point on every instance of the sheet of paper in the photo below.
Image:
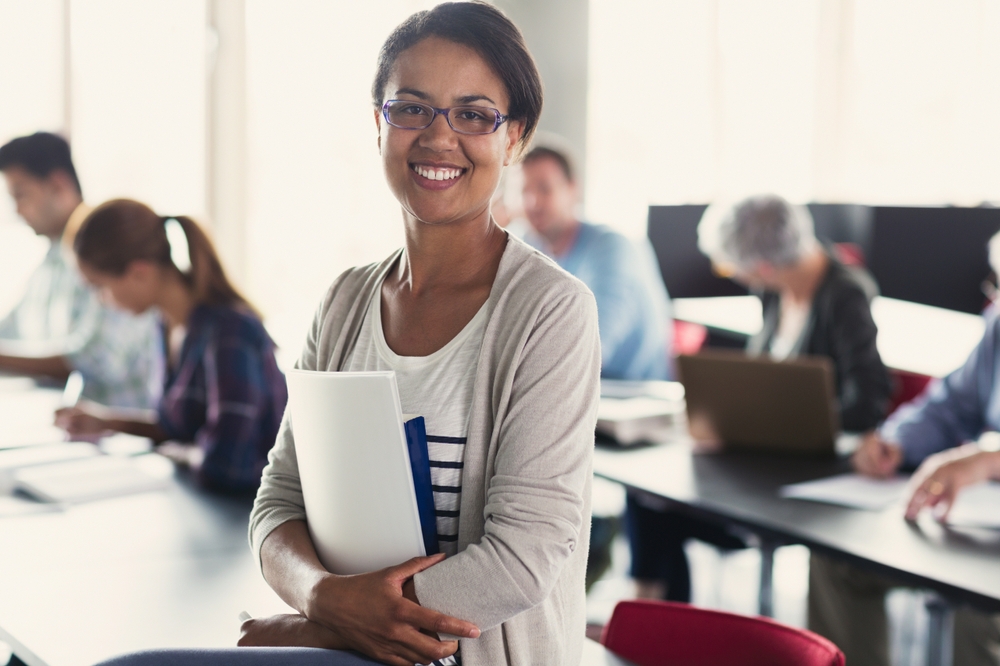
977	506
850	490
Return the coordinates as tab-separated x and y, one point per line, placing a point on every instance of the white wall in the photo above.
31	99
318	202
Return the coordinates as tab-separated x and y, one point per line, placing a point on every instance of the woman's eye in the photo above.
473	115
414	110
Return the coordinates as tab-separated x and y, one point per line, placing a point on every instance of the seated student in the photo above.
117	355
495	345
632	301
812	304
223	391
950	434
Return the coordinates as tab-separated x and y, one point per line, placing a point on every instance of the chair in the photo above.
906	387
688	338
661	633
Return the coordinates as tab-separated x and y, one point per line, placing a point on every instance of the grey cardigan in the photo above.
524	527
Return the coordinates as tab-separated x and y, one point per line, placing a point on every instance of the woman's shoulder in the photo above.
533	275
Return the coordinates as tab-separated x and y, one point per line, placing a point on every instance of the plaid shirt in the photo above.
117	353
227	395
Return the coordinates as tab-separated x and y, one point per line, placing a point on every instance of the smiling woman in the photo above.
491	342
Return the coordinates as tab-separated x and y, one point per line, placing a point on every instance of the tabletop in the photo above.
742	488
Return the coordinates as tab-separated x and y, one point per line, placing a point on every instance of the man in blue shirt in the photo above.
632	303
950	434
633	308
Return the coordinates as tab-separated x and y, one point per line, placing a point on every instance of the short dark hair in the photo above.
561	158
39	154
488	32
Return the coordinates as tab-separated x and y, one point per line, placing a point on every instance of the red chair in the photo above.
906	387
661	633
688	338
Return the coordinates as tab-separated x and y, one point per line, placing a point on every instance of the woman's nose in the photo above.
440	134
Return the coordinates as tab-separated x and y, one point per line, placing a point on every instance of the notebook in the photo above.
94	478
364	469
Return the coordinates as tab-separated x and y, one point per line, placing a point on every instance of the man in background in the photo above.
632	302
60	325
633	308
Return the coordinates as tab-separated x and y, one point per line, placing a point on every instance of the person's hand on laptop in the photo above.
876	457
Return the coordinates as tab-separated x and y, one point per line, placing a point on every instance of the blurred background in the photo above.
255	115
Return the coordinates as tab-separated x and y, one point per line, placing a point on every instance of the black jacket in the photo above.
840	327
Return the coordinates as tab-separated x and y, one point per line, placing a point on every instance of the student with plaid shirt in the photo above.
223	395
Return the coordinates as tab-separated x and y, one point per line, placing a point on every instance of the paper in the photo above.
850	490
977	506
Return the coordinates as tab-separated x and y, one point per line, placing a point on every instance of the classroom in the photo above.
672	343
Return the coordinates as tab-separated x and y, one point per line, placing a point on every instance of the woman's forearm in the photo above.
290	564
139	428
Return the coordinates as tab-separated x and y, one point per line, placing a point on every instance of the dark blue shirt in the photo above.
225	394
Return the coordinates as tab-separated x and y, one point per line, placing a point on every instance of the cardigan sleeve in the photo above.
536	505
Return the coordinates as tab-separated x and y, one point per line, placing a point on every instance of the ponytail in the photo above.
121	231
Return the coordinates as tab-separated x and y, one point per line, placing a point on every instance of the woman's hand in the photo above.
287	631
81	421
937	481
371	614
877	457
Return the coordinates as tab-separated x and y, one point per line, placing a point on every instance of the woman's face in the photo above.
465	168
133	291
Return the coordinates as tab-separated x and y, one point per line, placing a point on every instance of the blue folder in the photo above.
416	442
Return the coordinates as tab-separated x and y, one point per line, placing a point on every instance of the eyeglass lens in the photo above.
464	119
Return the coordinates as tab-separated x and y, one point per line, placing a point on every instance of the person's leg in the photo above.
977	638
242	656
847	606
659	564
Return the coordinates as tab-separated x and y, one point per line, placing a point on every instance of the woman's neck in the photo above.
175	301
451	255
803	279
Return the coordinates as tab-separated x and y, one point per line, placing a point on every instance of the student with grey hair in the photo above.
812	305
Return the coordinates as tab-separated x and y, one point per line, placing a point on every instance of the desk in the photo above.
742	489
912	337
160	569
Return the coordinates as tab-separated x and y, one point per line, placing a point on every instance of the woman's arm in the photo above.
537	498
374	613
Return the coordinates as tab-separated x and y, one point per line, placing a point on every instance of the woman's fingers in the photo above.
438	623
413	566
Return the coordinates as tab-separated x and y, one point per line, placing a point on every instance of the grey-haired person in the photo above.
812	305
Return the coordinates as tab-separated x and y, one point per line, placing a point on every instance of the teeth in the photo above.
437	174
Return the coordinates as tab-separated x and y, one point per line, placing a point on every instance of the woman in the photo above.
223	391
491	342
812	305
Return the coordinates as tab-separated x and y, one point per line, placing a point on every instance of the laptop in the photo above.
755	403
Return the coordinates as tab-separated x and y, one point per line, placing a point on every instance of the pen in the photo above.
244	616
74	389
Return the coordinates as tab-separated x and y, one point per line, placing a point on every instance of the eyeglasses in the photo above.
407	114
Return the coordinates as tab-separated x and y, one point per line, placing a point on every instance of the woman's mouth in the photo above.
436	177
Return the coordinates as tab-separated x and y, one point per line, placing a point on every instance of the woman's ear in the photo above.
515	129
378	128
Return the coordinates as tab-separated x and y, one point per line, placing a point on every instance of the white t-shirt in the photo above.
439	388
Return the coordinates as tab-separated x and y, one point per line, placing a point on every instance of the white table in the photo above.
912	337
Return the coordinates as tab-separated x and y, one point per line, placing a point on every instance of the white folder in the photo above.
355	469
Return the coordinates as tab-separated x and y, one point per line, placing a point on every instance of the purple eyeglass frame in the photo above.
499	120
